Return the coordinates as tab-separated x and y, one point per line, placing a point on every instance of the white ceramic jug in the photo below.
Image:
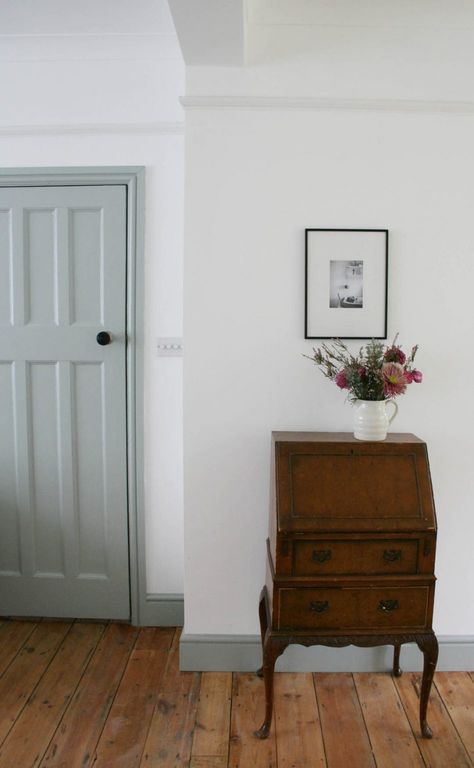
371	421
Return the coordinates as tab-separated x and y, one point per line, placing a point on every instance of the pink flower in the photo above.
394	379
341	379
414	375
395	355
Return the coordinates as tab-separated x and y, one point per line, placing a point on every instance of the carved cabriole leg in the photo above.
262	612
272	648
396	660
428	644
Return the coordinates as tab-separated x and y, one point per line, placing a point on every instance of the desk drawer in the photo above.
355	557
354	608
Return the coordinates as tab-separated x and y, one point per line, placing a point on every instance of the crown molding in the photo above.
412	106
154	128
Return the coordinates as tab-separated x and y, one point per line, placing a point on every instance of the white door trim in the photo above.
133	178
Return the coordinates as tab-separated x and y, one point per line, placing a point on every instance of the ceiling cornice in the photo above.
414	106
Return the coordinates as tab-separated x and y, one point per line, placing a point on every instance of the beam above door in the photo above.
210	32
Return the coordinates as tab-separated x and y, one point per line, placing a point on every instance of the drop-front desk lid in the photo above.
329	481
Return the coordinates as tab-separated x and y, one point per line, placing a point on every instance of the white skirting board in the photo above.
234	653
165	610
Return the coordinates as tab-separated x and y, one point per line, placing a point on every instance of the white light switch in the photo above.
170	346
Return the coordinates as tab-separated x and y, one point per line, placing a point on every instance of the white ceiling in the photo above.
234	32
368	13
68	17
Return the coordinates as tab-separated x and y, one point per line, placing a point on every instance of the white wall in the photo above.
256	176
101	87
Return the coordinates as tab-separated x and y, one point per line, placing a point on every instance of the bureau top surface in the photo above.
329	481
342	437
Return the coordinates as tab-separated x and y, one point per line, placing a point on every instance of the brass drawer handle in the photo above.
392	555
321	555
389	605
319	606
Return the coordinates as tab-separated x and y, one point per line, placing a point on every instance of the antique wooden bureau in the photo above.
351	550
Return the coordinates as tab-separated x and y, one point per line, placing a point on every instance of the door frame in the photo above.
133	179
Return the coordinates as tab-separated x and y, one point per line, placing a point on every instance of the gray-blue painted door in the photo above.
63	462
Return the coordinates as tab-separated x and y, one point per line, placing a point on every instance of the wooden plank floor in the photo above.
80	694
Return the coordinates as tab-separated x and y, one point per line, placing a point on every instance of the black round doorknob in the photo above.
103	338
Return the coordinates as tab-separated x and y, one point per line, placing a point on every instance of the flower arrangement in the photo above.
376	372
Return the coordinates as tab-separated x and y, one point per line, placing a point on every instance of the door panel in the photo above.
9	539
63	472
89	405
5	267
42	396
40	273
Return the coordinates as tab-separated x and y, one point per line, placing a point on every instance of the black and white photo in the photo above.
346	287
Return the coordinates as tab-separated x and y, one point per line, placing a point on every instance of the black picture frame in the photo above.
346	283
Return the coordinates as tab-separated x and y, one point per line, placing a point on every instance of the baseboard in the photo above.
242	653
162	611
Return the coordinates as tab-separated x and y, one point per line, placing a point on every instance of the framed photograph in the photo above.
346	273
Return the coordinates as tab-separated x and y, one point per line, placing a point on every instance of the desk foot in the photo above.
426	731
259	672
396	671
263	732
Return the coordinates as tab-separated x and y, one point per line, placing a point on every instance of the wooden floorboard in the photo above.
13	635
346	741
171	731
296	722
75	740
393	741
34	728
446	747
211	733
123	739
25	671
457	692
89	695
